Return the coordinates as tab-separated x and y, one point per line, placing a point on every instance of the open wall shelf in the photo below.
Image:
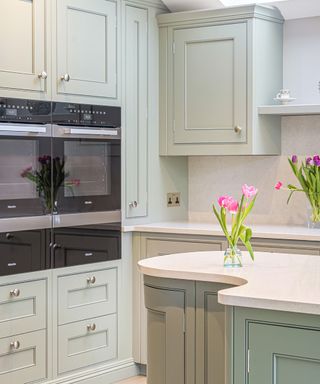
290	109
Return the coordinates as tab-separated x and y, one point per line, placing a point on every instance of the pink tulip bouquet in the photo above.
239	212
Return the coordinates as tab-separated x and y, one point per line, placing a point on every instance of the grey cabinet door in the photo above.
86	48
136	110
166	336
283	355
210	84
23	46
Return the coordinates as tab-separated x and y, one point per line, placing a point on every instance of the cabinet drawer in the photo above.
87	295
78	249
81	346
21	252
22	307
26	362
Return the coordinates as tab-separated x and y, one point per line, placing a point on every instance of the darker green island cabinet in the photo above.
192	339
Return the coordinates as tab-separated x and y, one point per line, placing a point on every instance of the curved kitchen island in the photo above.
213	325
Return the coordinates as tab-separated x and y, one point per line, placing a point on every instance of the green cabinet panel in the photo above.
86	49
136	110
25	47
283	355
210	84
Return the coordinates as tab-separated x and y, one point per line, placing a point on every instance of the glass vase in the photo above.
313	212
232	257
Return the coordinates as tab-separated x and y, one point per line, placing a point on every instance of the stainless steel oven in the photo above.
25	140
87	149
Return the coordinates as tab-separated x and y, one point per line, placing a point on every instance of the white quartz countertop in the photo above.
207	229
279	282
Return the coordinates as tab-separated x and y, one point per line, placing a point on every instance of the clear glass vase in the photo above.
232	257
313	212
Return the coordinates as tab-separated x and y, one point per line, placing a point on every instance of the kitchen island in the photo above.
209	324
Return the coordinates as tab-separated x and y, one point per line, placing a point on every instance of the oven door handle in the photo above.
8	128
91	132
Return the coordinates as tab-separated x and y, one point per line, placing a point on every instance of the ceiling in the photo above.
291	9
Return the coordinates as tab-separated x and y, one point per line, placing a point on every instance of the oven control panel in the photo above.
24	111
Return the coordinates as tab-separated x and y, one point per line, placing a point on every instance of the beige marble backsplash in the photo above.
212	176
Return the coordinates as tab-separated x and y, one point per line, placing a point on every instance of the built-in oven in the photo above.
87	158
25	149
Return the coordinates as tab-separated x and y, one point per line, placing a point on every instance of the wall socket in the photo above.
173	199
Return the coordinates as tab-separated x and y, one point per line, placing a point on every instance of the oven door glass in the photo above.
87	177
24	176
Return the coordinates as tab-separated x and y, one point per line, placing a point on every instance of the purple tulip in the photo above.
316	160
309	161
294	159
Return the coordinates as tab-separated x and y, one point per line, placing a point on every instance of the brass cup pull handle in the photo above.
91	280
15	344
237	129
65	77
43	75
15	292
91	327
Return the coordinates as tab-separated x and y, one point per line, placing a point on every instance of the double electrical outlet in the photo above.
173	199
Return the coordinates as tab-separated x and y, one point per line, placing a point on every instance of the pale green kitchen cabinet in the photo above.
85	37
136	110
25	49
216	67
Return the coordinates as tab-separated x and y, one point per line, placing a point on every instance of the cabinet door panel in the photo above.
136	101
86	47
283	355
22	42
210	84
25	364
80	347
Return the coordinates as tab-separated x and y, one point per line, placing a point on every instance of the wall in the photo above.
209	177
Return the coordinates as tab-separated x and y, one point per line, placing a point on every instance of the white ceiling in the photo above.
291	9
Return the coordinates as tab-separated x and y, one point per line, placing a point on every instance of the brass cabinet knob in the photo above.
15	344
15	292
91	327
43	75
237	129
91	280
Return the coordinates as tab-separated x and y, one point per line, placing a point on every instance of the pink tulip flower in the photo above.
278	185
224	201
233	207
249	191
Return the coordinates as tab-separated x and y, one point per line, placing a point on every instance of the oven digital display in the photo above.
11	112
87	117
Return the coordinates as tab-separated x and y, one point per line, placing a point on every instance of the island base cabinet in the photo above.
283	355
186	329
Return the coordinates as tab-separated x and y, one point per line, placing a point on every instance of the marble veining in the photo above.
281	282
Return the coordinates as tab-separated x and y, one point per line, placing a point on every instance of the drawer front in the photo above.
21	252
87	295
84	249
22	307
88	342
27	362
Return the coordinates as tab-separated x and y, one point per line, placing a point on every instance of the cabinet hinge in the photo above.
248	361
173	47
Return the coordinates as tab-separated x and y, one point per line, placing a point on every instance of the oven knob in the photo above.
65	77
133	204
43	75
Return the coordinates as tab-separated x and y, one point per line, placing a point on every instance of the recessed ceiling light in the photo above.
231	3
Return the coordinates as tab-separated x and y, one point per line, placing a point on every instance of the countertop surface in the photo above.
207	229
274	281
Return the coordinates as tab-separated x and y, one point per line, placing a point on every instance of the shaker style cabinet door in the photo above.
86	52
23	66
283	355
136	108
210	84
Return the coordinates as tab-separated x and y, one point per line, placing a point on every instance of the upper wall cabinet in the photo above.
216	67
85	51
25	46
